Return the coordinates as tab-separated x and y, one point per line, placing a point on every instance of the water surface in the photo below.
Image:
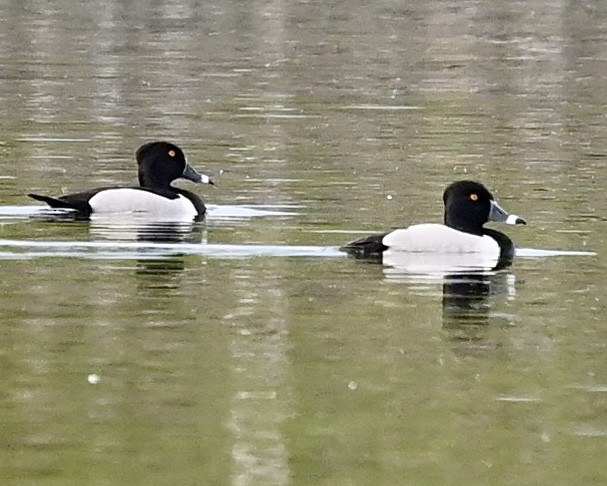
248	350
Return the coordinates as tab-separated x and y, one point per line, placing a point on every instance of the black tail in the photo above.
368	247
53	202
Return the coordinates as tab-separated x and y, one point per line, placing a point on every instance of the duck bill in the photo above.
497	213
193	175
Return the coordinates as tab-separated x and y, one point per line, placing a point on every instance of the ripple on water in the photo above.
214	211
517	399
590	431
372	107
22	249
539	253
146	244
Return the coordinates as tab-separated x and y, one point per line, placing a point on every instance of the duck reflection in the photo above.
148	231
469	307
160	273
466	299
467	293
131	227
158	267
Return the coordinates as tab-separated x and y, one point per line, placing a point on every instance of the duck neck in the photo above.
147	180
453	220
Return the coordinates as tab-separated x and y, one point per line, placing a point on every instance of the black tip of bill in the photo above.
514	219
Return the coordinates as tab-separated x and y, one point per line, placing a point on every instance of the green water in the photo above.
207	365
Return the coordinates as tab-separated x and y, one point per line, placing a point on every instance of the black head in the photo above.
469	205
160	163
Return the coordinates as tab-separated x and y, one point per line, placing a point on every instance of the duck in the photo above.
159	164
461	242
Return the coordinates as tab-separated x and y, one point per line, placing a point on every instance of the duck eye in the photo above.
171	153
474	197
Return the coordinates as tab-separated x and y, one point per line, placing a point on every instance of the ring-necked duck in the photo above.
468	206
160	163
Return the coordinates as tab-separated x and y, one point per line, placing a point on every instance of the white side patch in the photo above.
427	247
145	203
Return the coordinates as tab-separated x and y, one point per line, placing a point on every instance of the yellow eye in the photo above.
474	197
171	153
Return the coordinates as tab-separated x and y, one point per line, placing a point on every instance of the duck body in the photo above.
461	242
159	163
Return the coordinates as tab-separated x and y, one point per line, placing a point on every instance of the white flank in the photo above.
435	247
144	203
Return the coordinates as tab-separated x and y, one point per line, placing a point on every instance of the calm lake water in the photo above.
248	350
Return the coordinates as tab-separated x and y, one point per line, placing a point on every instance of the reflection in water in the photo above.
126	227
161	271
465	300
425	263
123	227
302	101
158	232
156	273
468	297
468	305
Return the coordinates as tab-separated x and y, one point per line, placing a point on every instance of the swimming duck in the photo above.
462	238
160	163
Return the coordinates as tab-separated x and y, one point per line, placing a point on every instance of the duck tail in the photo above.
367	247
53	202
